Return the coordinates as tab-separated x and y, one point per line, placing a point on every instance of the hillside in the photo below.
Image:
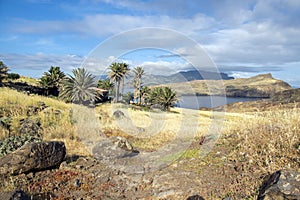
286	99
184	76
263	85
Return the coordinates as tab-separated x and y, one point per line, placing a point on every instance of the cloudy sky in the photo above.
243	38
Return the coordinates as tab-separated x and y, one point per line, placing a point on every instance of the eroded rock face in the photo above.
33	157
283	184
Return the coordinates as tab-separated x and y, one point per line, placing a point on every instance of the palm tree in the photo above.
106	86
3	71
125	68
52	79
145	94
80	88
138	73
116	74
163	96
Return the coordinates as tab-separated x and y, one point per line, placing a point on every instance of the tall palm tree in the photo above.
3	71
125	68
52	79
138	73
116	74
80	88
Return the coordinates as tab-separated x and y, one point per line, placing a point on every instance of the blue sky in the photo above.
243	38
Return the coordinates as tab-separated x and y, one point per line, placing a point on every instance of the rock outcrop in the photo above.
33	157
281	185
287	96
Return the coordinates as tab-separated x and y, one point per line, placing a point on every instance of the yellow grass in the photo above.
56	121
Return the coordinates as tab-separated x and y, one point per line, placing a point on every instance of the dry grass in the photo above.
28	80
152	130
56	121
257	144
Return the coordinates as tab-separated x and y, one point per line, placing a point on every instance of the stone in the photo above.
283	184
33	157
118	114
114	148
122	143
14	195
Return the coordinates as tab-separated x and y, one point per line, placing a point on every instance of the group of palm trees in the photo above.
82	87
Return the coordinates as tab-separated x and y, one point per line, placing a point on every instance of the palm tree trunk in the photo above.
117	92
122	89
140	94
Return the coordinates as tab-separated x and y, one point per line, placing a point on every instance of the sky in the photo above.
241	38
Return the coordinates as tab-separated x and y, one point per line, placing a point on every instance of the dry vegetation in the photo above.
254	144
56	121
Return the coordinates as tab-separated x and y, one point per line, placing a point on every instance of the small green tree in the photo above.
163	96
80	88
3	71
145	94
13	76
128	97
105	84
51	80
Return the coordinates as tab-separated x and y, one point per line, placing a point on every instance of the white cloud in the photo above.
40	62
163	67
100	25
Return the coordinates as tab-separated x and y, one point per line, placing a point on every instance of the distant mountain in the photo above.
184	76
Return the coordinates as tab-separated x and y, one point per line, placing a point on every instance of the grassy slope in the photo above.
55	119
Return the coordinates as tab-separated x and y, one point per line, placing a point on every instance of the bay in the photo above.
196	102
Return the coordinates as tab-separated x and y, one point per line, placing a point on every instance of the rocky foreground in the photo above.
38	175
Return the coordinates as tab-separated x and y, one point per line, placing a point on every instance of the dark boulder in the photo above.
283	184
33	157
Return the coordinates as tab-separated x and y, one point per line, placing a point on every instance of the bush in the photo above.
13	76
